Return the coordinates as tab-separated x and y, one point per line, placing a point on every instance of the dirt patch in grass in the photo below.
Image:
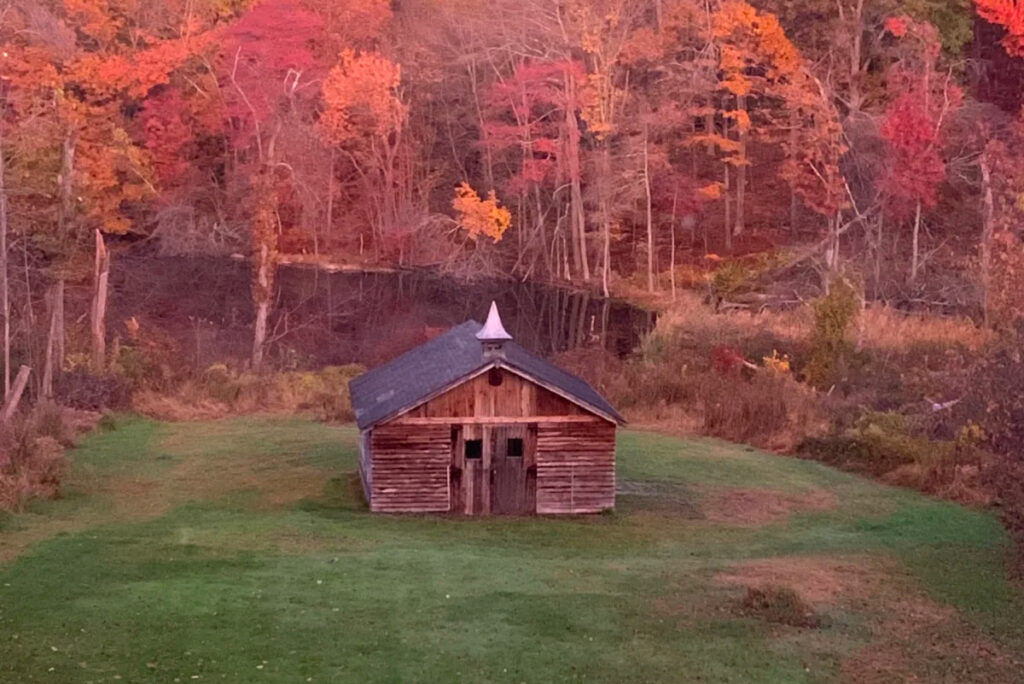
762	506
912	637
815	579
916	639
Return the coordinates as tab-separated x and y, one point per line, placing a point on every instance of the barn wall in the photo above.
515	397
575	467
365	463
410	468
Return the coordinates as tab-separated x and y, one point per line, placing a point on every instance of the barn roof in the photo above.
446	361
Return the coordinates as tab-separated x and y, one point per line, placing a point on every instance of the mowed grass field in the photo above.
241	551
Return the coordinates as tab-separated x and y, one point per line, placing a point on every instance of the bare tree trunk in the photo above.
606	221
650	213
728	213
856	99
914	258
5	293
741	172
577	220
880	239
259	338
98	319
832	252
14	397
672	257
66	205
986	238
330	201
52	343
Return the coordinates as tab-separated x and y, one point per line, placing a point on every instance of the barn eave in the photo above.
501	364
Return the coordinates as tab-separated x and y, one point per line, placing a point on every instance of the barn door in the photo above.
469	470
511	457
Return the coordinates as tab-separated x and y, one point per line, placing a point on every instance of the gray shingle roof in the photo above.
413	377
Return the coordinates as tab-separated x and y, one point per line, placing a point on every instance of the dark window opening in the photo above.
494	377
474	448
515	448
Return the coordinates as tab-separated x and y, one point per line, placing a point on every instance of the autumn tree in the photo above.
72	71
757	61
266	68
1010	15
480	217
922	101
531	123
364	117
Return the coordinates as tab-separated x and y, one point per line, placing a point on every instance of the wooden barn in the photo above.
473	423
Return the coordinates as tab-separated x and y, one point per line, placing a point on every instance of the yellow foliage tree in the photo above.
481	216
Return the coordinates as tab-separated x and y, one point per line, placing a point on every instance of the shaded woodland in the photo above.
615	145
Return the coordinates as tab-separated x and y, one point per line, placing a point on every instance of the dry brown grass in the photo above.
221	392
178	407
884	328
878	327
762	506
32	461
912	637
816	579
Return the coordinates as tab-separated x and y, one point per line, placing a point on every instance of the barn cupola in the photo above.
493	335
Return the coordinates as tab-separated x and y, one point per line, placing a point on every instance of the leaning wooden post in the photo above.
99	305
14	398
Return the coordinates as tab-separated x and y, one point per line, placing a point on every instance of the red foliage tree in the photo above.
1010	15
912	128
916	167
526	118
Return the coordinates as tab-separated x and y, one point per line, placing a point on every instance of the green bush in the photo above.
830	346
880	443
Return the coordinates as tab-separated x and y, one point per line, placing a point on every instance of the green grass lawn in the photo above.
241	551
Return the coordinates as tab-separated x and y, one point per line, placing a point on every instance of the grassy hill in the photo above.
241	551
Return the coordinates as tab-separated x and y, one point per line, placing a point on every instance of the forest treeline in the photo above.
591	142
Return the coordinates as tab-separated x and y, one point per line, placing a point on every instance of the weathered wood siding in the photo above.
410	468
366	463
575	467
416	462
515	397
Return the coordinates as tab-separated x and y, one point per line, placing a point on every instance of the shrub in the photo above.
891	447
1006	478
141	367
770	410
32	460
830	347
877	444
81	389
779	605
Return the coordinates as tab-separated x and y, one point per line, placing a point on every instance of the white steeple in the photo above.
493	330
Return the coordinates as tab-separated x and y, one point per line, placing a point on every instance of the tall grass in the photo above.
32	457
221	392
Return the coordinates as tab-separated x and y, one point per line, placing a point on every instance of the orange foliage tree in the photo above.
364	117
481	216
758	62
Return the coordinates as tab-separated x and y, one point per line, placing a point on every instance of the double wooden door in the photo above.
494	469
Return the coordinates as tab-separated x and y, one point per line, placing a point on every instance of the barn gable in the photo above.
452	359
